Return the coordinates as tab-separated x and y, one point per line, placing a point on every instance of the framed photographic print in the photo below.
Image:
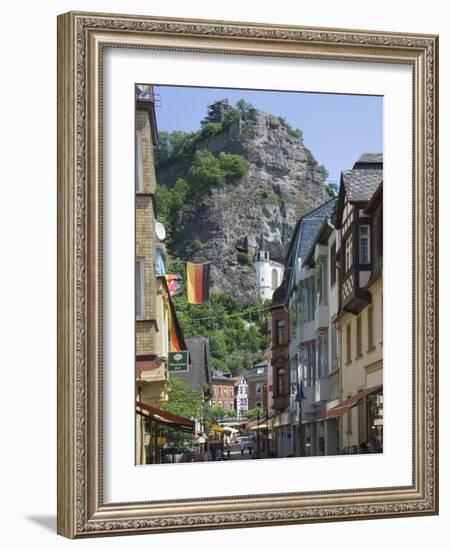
247	283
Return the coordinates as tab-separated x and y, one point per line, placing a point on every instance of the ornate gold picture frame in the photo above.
82	39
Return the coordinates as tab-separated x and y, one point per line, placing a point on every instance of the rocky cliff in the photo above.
257	211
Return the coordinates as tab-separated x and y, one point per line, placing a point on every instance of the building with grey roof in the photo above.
198	377
307	303
370	161
361	184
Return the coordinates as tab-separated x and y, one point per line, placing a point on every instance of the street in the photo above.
235	453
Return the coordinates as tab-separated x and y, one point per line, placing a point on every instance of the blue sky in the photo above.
336	128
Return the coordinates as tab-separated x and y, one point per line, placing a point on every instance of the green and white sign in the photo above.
178	361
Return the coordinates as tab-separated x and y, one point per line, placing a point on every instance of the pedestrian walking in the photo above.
250	446
219	454
242	447
228	445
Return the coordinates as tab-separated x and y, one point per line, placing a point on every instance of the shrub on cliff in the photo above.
208	171
233	166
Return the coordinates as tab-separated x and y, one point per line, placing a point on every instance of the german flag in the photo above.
176	338
197	282
177	342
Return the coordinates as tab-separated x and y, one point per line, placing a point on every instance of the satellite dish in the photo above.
160	231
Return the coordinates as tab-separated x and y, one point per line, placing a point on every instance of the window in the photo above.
370	344
358	337
334	349
280	331
225	392
322	355
220	391
311	303
348	254
274	279
333	264
258	387
302	364
139	282
139	179
364	244
312	364
348	354
319	284
225	404
280	381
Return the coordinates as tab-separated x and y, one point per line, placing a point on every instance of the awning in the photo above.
262	426
352	401
231	430
165	417
219	429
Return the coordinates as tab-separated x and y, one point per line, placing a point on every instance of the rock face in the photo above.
258	211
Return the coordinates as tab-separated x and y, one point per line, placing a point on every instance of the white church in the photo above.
268	274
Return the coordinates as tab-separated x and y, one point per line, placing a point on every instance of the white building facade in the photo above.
241	398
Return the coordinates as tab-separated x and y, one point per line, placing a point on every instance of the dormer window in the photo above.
364	244
348	254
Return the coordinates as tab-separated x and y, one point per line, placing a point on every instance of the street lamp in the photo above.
299	396
266	418
258	442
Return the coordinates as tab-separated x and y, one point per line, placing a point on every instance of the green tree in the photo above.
297	133
244	108
332	189
324	171
244	258
205	173
194	246
231	116
173	146
163	199
237	333
252	414
233	166
182	400
169	202
215	413
207	130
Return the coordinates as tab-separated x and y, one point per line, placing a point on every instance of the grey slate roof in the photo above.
310	225
304	234
360	185
253	372
279	294
369	158
217	375
199	372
